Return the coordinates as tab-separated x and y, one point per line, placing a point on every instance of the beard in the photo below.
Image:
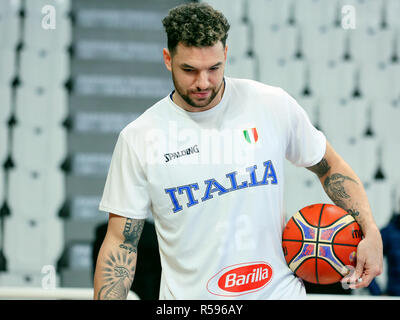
199	104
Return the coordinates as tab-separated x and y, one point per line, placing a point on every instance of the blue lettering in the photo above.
269	173
189	193
232	178
218	187
212	186
171	192
253	177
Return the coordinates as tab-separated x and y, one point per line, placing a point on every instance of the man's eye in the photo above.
214	68
188	70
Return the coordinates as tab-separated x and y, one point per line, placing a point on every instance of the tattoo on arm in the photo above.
132	232
337	188
321	168
334	187
118	276
119	266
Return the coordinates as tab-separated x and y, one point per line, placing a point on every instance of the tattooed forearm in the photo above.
116	263
321	168
117	273
334	186
132	231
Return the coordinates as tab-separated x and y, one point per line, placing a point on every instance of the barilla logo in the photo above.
240	279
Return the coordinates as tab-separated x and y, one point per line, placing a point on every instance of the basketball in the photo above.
319	241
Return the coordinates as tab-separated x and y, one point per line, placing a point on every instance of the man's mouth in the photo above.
202	94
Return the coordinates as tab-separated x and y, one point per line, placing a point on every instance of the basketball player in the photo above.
207	162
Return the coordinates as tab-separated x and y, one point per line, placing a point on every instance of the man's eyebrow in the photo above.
188	66
184	65
217	64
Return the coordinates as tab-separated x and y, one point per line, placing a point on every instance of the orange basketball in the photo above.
319	241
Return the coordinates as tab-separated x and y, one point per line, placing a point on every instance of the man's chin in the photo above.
199	104
202	102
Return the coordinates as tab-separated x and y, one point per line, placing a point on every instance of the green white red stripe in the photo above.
251	135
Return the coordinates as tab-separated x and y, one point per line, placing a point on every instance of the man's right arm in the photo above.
116	262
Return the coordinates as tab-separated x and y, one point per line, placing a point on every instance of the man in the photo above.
207	163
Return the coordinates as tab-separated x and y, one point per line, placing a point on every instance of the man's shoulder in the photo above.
259	93
255	86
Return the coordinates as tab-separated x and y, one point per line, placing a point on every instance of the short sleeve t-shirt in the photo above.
214	182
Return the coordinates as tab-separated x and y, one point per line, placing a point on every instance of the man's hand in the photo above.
369	261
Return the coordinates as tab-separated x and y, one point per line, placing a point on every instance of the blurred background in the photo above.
73	73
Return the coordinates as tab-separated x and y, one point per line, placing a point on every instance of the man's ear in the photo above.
167	59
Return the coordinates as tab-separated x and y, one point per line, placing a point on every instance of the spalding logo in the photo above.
240	279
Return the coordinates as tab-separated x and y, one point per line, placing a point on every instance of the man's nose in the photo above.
202	81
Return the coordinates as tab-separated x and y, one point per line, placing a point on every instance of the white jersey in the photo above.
214	182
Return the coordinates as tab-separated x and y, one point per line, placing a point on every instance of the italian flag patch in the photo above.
251	135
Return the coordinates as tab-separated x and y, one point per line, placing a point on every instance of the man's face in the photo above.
198	75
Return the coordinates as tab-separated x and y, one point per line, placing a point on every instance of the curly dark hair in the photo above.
195	24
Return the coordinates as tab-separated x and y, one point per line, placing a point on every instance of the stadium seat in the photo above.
44	67
359	109
5	103
7	66
62	7
288	74
368	158
344	122
370	45
274	41
31	243
379	195
315	13
39	147
393	11
233	10
2	185
381	80
9	24
386	115
39	106
36	193
333	80
38	35
355	154
238	40
4	143
262	13
5	112
322	44
390	161
241	67
368	13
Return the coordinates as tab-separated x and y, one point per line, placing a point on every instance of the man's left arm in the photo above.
345	189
